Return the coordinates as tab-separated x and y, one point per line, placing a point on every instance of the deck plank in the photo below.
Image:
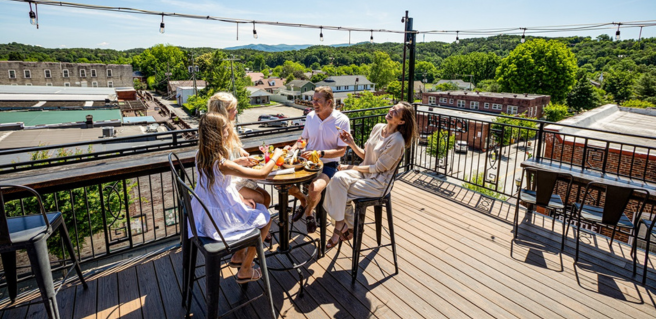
169	288
151	299
85	301
128	294
108	297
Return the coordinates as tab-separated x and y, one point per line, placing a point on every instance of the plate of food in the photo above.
258	157
294	162
313	167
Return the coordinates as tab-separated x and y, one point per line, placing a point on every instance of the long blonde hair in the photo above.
211	148
223	103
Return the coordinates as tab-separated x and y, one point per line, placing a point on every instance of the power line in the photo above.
474	32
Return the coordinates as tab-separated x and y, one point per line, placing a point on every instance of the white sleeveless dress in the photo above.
230	214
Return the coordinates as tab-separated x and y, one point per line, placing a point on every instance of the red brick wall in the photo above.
474	128
523	104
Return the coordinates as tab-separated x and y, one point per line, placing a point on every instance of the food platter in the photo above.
298	165
313	167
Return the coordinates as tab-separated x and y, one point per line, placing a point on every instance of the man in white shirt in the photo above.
322	129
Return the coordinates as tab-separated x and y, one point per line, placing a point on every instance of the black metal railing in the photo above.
496	145
119	212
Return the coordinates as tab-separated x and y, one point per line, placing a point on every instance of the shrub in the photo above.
637	104
477	183
438	145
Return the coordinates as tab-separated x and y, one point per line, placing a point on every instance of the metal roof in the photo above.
58	90
344	80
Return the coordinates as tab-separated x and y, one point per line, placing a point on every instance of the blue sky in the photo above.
70	28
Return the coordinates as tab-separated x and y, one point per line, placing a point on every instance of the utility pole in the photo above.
192	69
232	75
168	79
471	78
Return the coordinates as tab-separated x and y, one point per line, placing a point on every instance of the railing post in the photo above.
538	153
175	139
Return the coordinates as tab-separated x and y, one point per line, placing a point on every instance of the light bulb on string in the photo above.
371	39
161	25
457	38
523	35
617	33
34	20
254	31
321	34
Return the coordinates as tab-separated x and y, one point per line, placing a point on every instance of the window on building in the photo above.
48	84
109	73
473	105
94	84
67	83
339	88
47	73
12	74
93	73
83	73
28	84
450	101
461	103
486	105
512	109
110	84
443	100
496	106
27	74
65	73
431	100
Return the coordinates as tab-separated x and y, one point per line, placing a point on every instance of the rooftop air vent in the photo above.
514	95
525	94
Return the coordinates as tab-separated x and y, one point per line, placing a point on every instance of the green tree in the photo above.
394	88
646	86
582	96
138	85
481	65
488	86
555	112
318	77
507	130
619	83
638	104
259	63
446	86
158	60
364	124
315	66
217	74
440	142
383	70
289	78
538	66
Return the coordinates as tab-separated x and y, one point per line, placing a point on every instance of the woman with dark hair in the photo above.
381	154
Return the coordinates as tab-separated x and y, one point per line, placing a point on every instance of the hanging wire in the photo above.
474	32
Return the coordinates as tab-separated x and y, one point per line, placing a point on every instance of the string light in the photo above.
371	39
457	39
321	34
161	25
32	16
254	31
523	35
617	33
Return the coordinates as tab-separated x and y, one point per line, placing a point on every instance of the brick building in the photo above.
65	74
509	103
470	127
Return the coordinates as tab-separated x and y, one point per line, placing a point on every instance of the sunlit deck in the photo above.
454	262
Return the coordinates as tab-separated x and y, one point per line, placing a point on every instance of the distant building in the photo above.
65	74
308	75
300	86
270	85
255	76
17	97
173	85
182	93
462	85
510	103
258	96
138	75
346	83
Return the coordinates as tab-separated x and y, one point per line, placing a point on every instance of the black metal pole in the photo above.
412	45
405	41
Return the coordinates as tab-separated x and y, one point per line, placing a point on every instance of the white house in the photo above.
184	92
347	83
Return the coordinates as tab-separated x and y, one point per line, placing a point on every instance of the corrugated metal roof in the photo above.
60	90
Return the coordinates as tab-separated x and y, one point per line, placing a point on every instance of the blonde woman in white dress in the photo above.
234	217
381	154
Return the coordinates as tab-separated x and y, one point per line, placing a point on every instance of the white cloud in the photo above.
102	44
62	45
38	45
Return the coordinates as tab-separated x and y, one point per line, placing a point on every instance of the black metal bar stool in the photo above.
31	232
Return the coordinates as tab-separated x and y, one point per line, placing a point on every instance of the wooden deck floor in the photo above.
454	261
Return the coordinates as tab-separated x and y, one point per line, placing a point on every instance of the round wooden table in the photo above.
283	183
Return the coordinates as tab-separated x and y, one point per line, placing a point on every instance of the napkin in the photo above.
282	172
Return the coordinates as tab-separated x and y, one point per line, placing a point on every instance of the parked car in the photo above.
242	130
265	117
461	147
307	110
298	122
280	115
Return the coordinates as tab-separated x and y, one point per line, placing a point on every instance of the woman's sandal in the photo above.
343	236
232	264
257	274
